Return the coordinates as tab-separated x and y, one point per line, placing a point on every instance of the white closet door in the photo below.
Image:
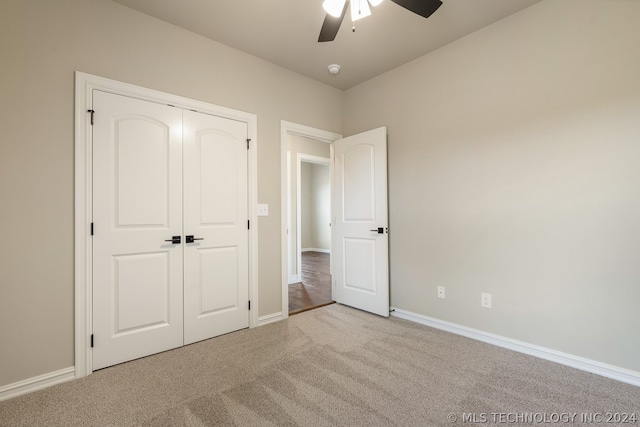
137	207
215	214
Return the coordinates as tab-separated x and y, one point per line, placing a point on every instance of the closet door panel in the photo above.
137	206
216	215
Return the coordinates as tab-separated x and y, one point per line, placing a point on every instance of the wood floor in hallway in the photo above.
315	289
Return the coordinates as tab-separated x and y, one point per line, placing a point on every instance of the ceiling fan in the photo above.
337	9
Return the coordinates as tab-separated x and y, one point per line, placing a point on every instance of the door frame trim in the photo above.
286	129
83	191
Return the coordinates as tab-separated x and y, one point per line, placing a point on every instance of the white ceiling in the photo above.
285	32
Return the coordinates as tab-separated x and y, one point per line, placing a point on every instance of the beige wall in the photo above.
514	160
306	209
42	43
320	207
316	206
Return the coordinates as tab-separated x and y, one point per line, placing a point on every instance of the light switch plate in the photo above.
263	209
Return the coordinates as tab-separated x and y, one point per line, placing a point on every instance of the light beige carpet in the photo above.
326	367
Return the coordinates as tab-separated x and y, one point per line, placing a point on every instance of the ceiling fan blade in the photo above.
423	8
331	25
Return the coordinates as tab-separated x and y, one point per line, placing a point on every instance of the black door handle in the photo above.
191	239
380	230
175	240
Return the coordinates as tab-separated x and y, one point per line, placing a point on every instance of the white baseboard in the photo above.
324	251
270	318
29	385
293	279
614	372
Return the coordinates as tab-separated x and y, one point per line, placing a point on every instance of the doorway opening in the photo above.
310	231
306	219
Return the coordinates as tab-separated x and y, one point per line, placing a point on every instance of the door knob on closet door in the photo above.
175	240
191	239
380	230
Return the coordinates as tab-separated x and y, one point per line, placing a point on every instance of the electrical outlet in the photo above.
441	292
485	300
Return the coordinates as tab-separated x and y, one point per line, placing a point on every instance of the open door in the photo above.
360	239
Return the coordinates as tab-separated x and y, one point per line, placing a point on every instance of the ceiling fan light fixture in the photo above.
333	7
359	9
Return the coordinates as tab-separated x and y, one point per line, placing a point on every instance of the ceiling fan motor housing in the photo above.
334	68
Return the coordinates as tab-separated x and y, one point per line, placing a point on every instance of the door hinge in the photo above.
248	143
92	229
91	111
248	224
91	340
249	304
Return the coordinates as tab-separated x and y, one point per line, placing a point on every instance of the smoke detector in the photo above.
334	68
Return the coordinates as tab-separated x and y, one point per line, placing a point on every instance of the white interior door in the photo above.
215	215
360	240
137	207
